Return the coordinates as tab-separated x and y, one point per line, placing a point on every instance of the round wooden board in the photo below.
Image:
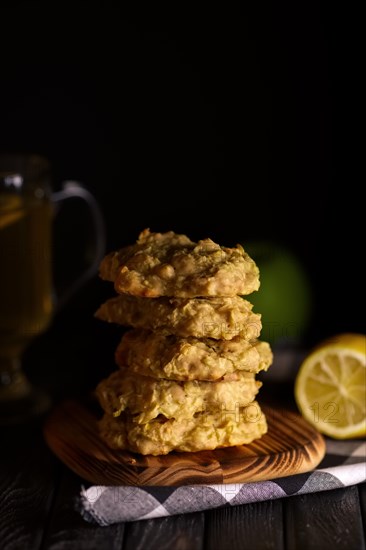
291	446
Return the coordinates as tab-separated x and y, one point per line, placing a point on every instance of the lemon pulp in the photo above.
330	387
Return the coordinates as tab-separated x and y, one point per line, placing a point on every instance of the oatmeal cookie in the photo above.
146	398
219	317
166	356
205	431
169	264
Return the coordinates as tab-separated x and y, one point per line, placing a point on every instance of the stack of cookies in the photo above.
186	377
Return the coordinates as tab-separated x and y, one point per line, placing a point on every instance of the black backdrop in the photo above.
234	126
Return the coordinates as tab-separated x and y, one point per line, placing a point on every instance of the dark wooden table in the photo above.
37	495
37	492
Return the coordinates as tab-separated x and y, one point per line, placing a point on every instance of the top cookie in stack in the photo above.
187	369
167	264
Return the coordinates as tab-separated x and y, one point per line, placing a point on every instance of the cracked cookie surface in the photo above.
205	431
146	398
219	317
169	264
166	356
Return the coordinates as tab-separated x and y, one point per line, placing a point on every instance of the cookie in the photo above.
205	431
166	356
219	317
169	264
146	398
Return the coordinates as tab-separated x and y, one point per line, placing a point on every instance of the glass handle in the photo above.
71	190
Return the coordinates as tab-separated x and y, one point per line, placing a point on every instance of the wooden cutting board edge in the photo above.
291	446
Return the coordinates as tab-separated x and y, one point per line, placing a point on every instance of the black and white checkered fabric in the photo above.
344	464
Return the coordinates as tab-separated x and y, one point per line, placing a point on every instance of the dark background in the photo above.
235	126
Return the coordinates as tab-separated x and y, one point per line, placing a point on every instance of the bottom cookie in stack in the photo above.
206	430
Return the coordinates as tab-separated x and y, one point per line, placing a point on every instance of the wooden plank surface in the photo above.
67	530
258	526
183	532
327	520
362	497
28	475
290	446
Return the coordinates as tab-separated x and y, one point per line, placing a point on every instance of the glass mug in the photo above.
27	299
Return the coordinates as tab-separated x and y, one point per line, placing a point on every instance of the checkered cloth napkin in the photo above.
344	464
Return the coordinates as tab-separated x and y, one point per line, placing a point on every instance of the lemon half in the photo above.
330	386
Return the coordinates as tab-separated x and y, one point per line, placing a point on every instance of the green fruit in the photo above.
284	298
